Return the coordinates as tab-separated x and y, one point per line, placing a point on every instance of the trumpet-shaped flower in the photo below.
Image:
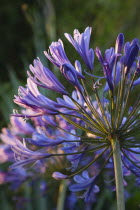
46	77
81	44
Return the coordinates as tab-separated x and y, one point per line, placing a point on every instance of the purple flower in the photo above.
58	175
107	64
67	102
26	156
57	54
119	43
84	182
31	98
81	44
71	201
136	82
131	160
70	74
43	141
6	154
59	58
16	177
115	76
7	136
130	54
19	126
49	120
46	77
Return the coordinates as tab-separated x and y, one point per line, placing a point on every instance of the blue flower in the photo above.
107	63
19	126
70	74
119	43
46	77
33	99
87	184
130	53
131	160
43	141
57	54
81	44
58	175
25	156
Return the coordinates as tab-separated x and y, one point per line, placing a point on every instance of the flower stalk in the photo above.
62	195
118	174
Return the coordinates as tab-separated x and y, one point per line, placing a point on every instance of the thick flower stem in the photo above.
118	175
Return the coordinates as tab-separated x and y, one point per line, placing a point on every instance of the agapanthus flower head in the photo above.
89	126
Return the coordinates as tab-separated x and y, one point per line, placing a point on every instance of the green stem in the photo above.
118	175
62	195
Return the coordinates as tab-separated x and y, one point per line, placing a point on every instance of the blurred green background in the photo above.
27	28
